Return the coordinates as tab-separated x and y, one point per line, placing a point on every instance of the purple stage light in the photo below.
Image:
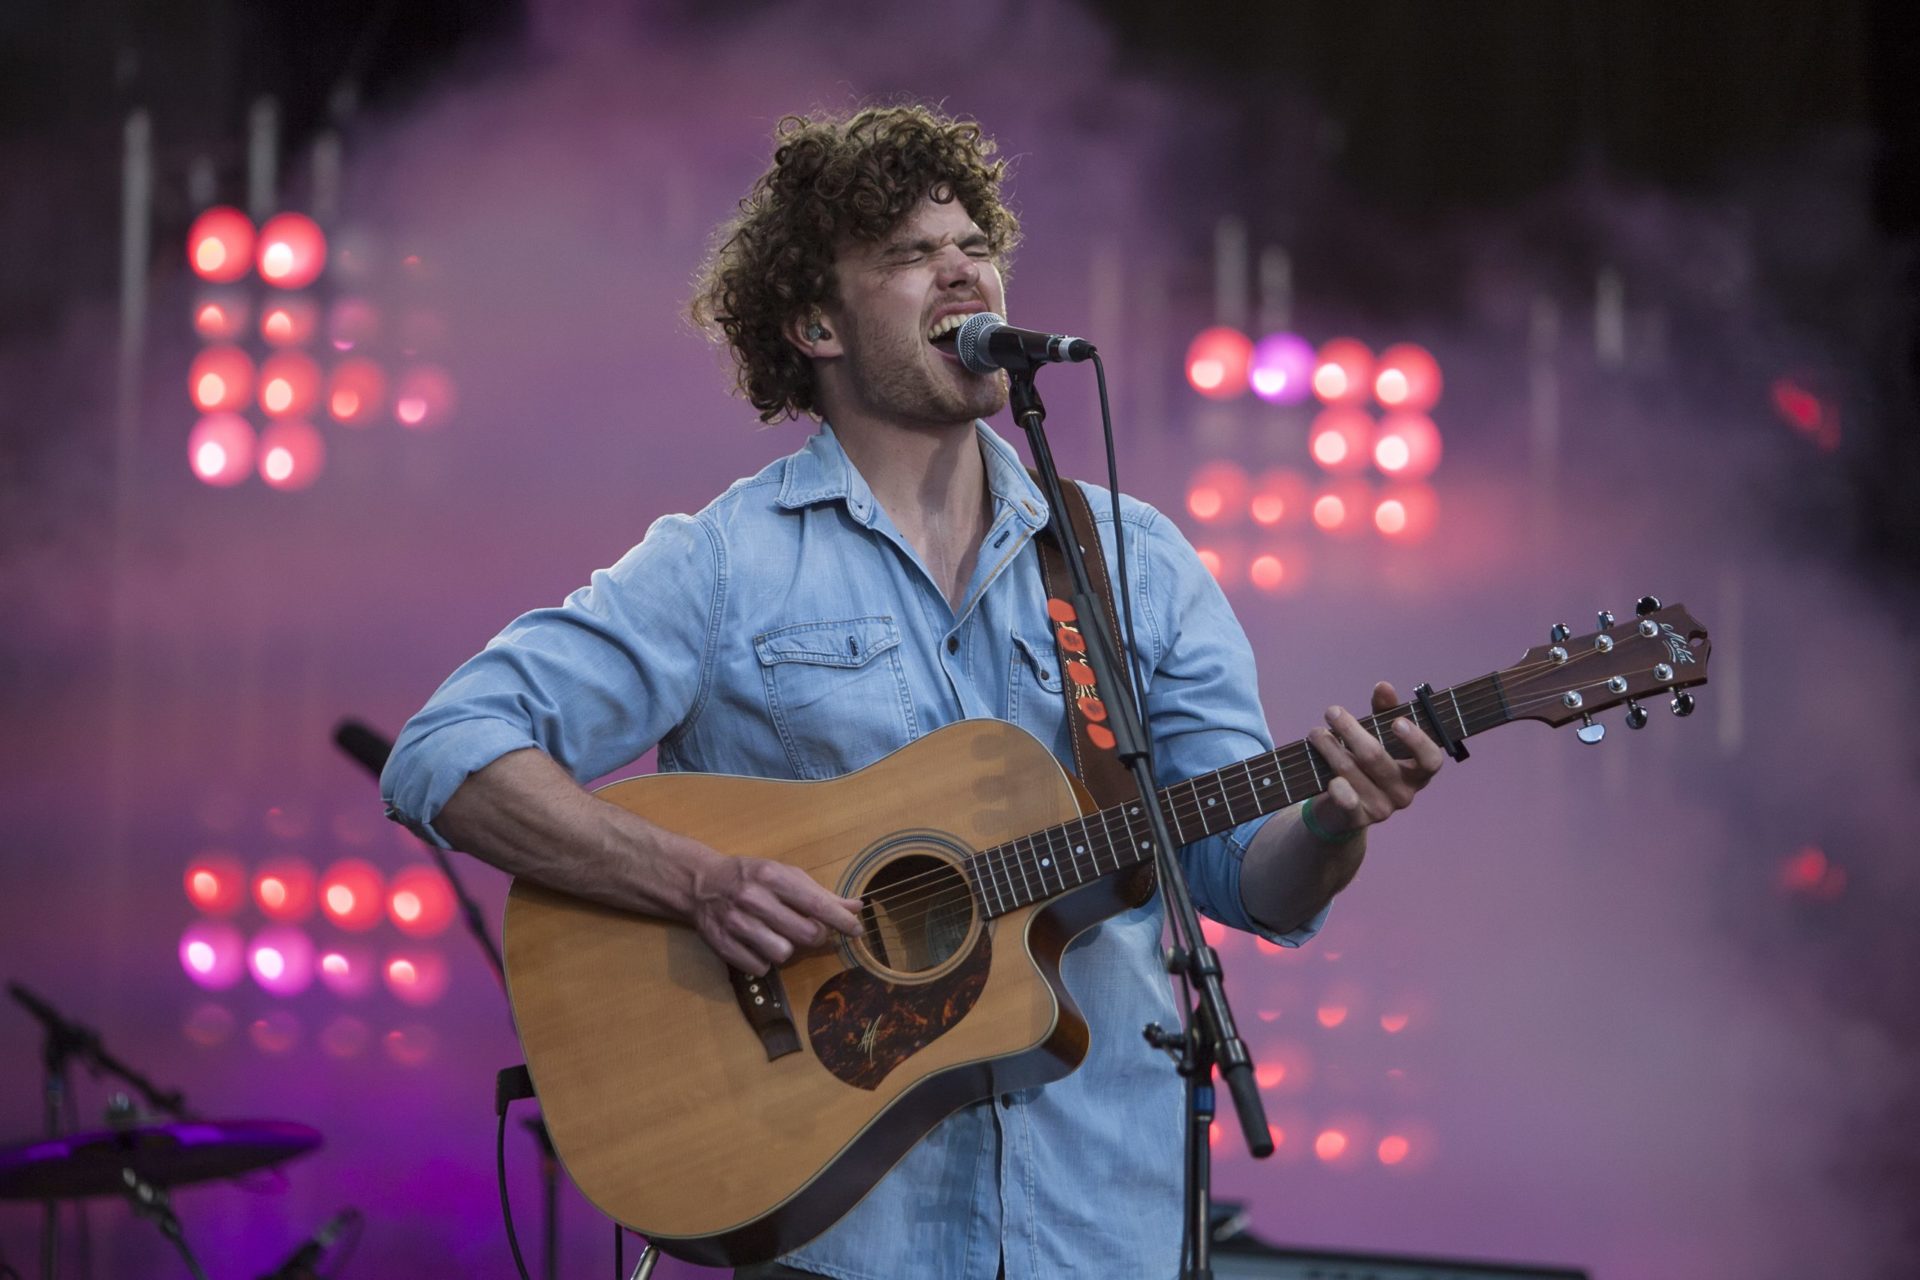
1282	369
212	954
281	960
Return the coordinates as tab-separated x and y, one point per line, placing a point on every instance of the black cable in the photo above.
506	1208
619	1252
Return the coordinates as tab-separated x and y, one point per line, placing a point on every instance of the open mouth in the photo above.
948	344
944	333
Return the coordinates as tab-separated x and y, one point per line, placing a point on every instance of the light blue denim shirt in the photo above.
697	640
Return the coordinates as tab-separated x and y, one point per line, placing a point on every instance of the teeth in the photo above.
946	325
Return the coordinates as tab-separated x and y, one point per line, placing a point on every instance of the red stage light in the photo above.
220	449
1343	372
1393	1149
292	251
1341	507
1807	873
1217	362
350	895
1407	377
212	954
1210	560
356	392
1341	440
289	322
1267	572
347	970
283	889
419	902
416	977
289	383
220	317
1268	1075
409	1046
291	455
220	379
1806	413
1331	1015
1279	498
424	398
1406	512
276	1033
1217	491
1408	446
1330	1144
1393	1023
216	883
220	244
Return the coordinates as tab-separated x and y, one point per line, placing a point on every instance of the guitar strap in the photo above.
1094	761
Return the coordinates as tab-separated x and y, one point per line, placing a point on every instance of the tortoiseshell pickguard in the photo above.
862	1027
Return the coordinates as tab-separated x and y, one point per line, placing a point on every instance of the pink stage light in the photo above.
1267	572
289	384
1341	440
1343	372
292	454
350	895
351	323
1407	377
1406	513
1217	362
212	954
220	316
1279	498
424	397
1281	369
416	977
220	244
278	1032
348	970
292	251
280	958
220	380
1341	507
410	1046
1217	493
1393	1149
1407	446
220	449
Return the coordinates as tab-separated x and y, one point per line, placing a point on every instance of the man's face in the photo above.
934	268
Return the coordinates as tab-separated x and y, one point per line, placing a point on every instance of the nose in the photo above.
958	268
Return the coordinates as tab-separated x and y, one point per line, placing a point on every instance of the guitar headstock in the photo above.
1660	651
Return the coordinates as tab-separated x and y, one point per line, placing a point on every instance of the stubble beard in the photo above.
900	385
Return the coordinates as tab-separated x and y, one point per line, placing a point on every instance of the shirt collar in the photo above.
822	472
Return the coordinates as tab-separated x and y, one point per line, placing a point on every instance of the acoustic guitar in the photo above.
732	1117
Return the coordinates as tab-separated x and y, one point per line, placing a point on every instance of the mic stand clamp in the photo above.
1210	1037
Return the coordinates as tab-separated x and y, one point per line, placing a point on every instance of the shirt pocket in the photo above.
836	693
1034	700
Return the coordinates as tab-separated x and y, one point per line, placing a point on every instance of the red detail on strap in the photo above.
1072	641
1101	737
1060	611
1091	707
1080	673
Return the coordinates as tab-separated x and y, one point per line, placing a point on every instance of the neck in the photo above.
918	474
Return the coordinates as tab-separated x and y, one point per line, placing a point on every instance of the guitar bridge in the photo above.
763	999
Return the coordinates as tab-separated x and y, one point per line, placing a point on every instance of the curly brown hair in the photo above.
833	179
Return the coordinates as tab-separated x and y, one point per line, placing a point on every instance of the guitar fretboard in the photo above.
1046	864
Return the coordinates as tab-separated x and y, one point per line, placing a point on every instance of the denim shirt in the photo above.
705	640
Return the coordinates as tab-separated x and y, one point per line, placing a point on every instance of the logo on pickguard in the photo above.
1677	647
870	1038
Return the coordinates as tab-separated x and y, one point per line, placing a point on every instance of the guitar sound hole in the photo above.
918	911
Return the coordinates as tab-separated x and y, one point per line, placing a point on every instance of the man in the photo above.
903	530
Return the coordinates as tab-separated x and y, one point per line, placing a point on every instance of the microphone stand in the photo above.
1209	1039
371	750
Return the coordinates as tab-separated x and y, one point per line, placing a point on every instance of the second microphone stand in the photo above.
1209	1039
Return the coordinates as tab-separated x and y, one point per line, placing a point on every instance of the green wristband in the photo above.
1319	832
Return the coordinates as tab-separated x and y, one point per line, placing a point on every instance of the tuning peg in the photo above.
1559	632
1636	715
1682	704
1606	619
1647	605
1589	732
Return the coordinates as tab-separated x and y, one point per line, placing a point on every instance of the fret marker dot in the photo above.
1046	862
1211	801
1079	848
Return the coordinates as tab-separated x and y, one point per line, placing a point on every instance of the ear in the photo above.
815	335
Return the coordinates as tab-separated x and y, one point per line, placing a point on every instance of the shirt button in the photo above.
953	644
1006	1100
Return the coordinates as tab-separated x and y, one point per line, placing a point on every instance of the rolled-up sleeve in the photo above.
593	683
1203	706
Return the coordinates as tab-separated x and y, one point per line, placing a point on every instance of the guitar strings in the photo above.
928	897
1005	858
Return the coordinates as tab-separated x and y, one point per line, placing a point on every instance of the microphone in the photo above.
985	342
299	1264
363	744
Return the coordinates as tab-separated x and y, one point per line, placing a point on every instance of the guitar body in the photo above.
662	1099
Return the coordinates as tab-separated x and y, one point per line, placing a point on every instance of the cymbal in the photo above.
164	1155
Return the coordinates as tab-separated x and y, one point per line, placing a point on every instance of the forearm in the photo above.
1289	874
524	814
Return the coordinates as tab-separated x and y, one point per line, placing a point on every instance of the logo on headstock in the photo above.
1677	648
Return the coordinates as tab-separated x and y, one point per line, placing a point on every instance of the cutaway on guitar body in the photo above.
661	1098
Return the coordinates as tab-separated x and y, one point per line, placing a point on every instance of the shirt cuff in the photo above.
422	774
1238	841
